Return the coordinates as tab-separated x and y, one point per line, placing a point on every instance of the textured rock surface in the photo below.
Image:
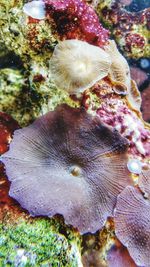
37	243
131	30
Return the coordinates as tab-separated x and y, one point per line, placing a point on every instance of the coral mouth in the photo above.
75	170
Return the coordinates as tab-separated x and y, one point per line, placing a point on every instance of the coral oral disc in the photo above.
75	170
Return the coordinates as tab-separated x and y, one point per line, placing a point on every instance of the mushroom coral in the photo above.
68	162
76	65
134	96
120	72
132	224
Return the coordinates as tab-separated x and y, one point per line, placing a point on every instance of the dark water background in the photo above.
138	5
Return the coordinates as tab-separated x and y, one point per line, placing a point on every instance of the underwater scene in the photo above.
75	133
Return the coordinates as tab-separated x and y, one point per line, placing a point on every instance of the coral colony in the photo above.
90	163
73	68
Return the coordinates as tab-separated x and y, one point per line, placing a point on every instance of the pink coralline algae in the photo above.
74	19
116	113
130	29
134	40
128	124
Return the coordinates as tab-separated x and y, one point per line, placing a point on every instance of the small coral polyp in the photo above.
75	170
68	162
76	65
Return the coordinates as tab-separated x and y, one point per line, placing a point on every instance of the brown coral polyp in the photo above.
68	162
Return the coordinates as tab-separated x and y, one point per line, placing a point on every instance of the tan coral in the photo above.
134	97
77	65
120	74
119	70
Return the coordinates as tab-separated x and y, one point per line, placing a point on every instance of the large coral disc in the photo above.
67	162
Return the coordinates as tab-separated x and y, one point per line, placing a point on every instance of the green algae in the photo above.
16	98
27	97
38	243
24	99
28	40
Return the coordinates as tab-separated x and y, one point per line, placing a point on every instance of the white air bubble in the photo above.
35	9
144	63
134	166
